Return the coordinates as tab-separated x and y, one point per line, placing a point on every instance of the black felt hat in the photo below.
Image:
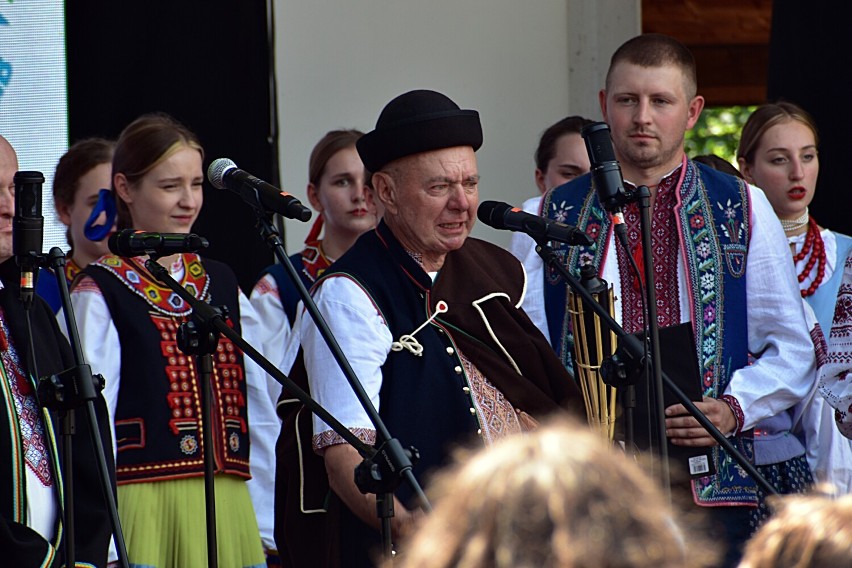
418	121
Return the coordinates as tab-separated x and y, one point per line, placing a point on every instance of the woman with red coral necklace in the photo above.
778	153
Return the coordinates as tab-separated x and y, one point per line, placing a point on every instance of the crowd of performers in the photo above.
456	341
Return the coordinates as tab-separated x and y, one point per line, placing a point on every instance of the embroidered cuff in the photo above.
331	438
735	407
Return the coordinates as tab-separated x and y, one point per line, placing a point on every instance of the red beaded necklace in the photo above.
816	248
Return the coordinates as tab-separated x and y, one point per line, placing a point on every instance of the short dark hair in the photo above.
657	50
547	144
718	163
79	160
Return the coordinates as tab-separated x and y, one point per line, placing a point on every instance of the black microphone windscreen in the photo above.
117	241
598	143
493	213
27	222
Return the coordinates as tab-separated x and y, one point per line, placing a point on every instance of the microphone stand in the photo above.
388	455
64	393
635	351
642	195
194	338
388	463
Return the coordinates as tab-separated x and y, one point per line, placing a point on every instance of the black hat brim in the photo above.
445	129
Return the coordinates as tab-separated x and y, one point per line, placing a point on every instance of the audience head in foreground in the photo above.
806	532
558	497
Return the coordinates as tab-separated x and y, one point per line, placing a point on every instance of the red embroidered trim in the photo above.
664	247
164	300
266	285
32	430
314	261
331	438
72	269
497	417
735	407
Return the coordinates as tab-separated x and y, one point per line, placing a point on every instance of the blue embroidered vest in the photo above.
825	297
309	265
158	414
713	224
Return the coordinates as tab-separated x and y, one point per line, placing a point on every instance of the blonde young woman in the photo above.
128	323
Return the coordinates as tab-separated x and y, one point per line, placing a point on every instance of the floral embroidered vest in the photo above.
158	425
713	214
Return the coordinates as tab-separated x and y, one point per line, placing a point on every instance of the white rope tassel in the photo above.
408	341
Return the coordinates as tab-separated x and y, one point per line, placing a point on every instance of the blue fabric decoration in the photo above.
105	204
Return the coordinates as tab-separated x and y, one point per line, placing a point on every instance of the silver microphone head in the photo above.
217	170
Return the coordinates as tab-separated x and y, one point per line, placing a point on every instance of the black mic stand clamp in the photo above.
378	475
622	371
195	337
69	389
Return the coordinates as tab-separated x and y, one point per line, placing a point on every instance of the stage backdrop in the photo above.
207	63
809	44
33	109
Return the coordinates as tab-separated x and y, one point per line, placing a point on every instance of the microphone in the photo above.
606	172
504	216
224	173
130	242
27	229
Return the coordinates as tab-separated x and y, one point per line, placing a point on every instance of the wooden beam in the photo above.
730	41
718	22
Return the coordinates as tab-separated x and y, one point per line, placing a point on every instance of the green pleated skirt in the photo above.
164	524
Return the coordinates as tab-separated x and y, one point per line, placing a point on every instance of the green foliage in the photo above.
718	132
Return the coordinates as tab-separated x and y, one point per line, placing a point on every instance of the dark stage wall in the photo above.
809	51
207	63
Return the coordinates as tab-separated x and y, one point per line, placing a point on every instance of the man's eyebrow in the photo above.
447	179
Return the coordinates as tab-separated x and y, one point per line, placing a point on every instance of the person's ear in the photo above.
696	105
745	170
602	103
122	188
313	197
539	181
386	191
63	211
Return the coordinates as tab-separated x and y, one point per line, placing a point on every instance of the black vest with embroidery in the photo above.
158	414
422	398
425	400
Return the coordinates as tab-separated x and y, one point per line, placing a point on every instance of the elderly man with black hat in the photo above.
429	319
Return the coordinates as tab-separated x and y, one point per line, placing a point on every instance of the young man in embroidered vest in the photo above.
721	262
31	529
477	368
